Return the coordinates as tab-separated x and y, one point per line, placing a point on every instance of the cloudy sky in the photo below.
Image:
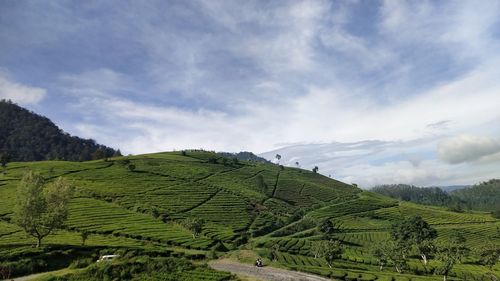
370	91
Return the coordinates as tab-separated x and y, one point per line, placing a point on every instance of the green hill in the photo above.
140	202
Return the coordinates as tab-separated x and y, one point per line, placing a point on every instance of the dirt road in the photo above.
264	273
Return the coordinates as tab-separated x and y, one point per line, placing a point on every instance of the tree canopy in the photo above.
40	210
415	232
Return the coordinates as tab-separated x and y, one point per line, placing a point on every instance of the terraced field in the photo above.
243	205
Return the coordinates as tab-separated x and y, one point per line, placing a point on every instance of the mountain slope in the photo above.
26	136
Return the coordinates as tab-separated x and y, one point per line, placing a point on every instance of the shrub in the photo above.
81	263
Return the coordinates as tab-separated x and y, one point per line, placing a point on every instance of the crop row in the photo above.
101	217
205	274
363	204
224	208
242	181
365	238
432	215
63	237
174	199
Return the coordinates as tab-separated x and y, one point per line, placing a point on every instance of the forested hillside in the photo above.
420	195
27	136
483	196
244	156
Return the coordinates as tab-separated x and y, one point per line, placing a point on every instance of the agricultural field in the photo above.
141	203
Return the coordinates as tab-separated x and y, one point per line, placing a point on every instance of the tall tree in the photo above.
451	253
415	232
261	184
327	228
317	249
98	154
332	250
4	159
278	157
391	253
195	225
489	256
275	248
39	211
380	253
84	235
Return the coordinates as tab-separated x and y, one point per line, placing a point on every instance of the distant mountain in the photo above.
451	188
244	156
27	136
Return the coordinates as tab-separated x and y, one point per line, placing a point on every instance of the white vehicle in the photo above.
107	258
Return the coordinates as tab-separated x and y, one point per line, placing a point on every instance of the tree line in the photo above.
483	196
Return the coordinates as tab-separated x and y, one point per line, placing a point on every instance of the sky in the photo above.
371	92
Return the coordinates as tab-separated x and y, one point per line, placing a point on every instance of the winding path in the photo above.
264	273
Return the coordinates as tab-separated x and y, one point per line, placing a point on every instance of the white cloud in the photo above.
291	29
463	28
465	148
229	75
100	80
368	175
371	163
19	93
357	49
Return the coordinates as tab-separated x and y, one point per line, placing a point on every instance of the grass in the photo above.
144	209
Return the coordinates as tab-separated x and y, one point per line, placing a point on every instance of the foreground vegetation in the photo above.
180	207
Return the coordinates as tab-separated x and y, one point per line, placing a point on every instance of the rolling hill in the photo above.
248	208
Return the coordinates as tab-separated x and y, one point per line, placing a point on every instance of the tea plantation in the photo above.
137	206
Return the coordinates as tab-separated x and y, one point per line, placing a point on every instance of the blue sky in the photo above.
370	91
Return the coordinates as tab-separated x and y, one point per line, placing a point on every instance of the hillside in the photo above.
419	195
140	202
27	136
484	196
